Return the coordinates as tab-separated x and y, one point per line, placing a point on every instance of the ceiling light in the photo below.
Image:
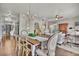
28	28
56	18
28	13
8	19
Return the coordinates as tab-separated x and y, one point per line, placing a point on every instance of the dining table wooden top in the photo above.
36	40
33	42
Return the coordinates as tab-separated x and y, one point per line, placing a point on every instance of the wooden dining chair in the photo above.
52	43
14	46
22	46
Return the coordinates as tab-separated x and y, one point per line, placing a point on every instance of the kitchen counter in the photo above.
63	50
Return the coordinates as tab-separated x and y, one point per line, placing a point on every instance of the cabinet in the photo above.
63	27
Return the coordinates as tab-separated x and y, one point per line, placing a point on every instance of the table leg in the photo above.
33	50
42	45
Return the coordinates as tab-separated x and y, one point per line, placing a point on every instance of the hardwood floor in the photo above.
8	46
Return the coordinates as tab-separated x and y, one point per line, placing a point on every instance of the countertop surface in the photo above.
68	48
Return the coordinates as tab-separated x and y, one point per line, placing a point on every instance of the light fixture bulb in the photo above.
8	19
28	13
56	18
28	28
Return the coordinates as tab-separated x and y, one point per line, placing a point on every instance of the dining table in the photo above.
35	42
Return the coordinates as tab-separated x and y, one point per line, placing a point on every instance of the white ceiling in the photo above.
43	9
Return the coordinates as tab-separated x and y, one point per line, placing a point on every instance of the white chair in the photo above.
51	46
61	38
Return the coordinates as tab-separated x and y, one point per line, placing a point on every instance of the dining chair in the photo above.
52	43
61	38
22	46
